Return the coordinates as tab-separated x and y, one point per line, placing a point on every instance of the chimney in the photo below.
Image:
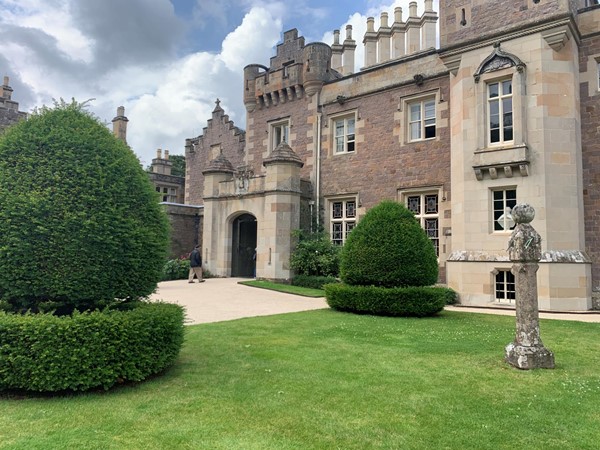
383	38
120	124
428	28
336	52
166	154
158	153
348	51
370	41
161	165
6	89
398	34
413	30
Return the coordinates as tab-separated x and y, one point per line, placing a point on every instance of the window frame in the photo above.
283	124
345	136
422	119
497	213
346	221
506	280
424	215
499	99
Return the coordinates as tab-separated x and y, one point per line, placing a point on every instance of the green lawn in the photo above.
329	380
281	287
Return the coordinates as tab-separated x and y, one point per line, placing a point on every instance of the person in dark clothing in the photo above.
195	265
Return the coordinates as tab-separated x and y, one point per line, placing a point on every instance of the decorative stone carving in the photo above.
497	60
525	250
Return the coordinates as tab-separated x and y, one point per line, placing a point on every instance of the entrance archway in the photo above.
243	258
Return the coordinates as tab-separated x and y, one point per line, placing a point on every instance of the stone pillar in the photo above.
525	250
428	28
370	41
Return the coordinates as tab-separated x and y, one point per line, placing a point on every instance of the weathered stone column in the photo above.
525	250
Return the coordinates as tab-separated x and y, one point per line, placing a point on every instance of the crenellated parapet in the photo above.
296	69
401	38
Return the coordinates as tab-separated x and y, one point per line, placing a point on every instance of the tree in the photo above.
81	224
178	167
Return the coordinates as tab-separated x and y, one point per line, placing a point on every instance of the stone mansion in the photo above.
505	111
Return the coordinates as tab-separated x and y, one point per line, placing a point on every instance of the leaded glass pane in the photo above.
350	209
431	228
431	204
414	204
336	233
349	227
337	210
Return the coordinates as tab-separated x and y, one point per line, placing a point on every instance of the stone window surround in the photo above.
510	157
423	191
490	203
331	124
404	107
592	75
330	221
273	125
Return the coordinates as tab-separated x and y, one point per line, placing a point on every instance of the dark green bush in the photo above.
402	301
313	282
47	353
388	248
315	255
81	226
176	269
450	294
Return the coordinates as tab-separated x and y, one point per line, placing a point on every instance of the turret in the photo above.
251	72
317	61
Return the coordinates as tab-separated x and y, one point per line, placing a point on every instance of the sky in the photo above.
165	61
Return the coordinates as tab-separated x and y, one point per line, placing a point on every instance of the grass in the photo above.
288	288
330	380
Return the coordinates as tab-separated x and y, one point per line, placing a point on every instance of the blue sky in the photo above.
166	61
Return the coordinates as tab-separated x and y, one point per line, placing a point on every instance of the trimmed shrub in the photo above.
315	255
388	248
401	301
43	352
176	269
450	294
313	282
81	225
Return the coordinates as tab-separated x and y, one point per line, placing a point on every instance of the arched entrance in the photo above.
243	260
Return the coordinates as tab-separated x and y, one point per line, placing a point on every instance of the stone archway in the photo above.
243	246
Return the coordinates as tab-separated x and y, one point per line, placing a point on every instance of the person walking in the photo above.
195	265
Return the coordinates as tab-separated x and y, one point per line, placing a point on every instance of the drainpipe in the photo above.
318	155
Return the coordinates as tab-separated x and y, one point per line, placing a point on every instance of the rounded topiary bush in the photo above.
419	301
388	248
81	226
49	353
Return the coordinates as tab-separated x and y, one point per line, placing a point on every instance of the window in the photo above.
500	112
505	286
421	123
279	133
426	210
503	203
344	138
343	220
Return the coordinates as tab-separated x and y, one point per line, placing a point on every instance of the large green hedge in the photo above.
81	226
388	248
401	301
44	352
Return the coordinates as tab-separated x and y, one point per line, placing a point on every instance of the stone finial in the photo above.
219	165
525	244
283	153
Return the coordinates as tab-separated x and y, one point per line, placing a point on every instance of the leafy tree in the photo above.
388	248
81	227
315	255
178	167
